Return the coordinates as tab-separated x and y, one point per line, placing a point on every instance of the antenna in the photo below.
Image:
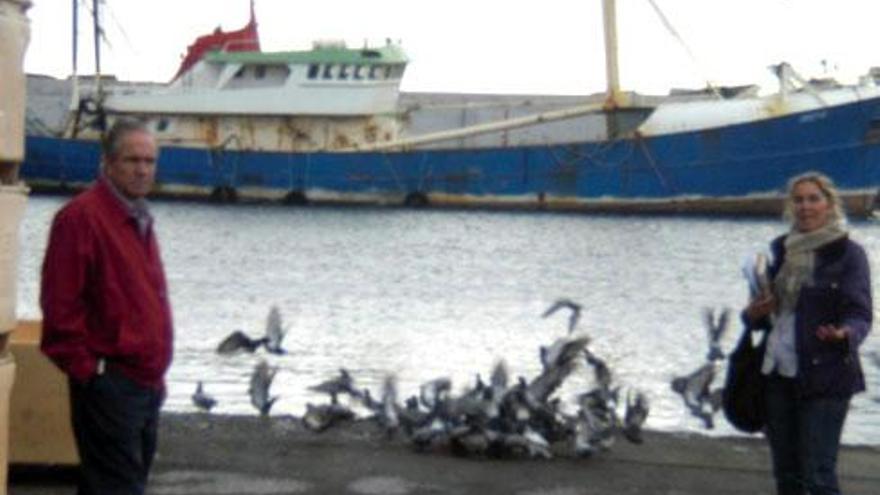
74	98
97	30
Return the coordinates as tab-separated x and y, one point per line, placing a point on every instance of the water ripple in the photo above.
424	294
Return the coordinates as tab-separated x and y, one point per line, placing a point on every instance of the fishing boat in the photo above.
324	126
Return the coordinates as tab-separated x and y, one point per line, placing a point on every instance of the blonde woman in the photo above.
817	315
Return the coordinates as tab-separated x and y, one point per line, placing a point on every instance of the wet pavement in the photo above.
202	454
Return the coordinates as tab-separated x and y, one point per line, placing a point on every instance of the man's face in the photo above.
132	169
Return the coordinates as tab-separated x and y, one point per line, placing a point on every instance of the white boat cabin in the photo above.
329	80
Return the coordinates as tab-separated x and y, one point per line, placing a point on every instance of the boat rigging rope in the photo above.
669	27
580	154
667	187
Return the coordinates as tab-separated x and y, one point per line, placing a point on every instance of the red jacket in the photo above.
103	292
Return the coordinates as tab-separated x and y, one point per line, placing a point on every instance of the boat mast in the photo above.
614	97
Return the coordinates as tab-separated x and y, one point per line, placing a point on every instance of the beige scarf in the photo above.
800	259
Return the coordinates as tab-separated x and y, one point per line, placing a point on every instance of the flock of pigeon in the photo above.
261	379
501	418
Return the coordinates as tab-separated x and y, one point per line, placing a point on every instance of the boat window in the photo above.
260	71
328	71
314	70
387	72
239	73
372	74
162	124
357	72
343	72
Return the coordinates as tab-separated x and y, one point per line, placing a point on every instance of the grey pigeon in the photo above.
342	384
529	443
238	342
261	382
498	379
601	371
716	331
411	416
695	392
574	307
202	400
562	350
275	331
635	416
424	436
543	386
388	416
432	393
319	418
754	269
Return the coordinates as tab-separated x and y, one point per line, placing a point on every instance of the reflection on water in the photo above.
425	294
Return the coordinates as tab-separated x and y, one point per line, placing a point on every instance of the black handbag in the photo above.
742	399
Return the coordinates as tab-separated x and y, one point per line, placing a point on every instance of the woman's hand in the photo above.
760	307
830	333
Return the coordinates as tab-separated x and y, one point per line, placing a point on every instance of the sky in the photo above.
490	46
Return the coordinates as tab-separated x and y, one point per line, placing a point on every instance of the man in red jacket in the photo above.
106	315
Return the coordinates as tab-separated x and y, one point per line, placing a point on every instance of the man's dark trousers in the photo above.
115	422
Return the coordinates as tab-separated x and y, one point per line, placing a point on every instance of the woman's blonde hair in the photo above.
826	185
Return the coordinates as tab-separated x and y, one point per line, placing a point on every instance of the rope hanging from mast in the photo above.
669	27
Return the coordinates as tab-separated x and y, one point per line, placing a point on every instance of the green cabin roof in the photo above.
386	55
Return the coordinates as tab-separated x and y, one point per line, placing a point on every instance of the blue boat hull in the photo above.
742	166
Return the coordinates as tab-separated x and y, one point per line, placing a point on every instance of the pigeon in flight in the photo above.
694	390
754	269
261	382
716	330
343	383
238	342
434	392
569	304
275	331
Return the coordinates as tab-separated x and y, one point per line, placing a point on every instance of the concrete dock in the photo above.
211	454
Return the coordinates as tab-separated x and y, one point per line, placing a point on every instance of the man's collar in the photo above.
134	207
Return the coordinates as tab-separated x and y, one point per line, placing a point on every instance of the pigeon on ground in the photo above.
635	415
202	400
388	417
320	417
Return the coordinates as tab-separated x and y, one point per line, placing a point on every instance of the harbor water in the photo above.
425	294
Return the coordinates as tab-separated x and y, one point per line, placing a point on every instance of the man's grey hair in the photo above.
120	128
